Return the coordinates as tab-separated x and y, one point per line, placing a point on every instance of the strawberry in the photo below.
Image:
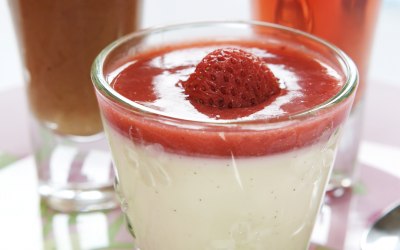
231	78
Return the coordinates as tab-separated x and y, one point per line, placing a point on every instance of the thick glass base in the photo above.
77	199
75	173
338	185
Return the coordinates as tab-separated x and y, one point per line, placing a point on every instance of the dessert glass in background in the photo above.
58	42
187	181
348	24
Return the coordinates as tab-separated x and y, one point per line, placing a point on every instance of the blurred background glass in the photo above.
58	41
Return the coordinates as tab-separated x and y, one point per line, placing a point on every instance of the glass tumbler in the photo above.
59	40
190	183
350	25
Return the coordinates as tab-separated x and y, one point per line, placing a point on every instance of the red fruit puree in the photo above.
157	79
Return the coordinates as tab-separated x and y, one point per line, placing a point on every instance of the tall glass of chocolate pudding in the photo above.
59	40
350	25
223	134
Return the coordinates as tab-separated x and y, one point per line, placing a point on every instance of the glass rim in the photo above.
103	86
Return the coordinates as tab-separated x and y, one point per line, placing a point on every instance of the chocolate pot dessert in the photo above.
59	41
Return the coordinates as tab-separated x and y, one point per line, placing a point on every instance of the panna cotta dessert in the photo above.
223	144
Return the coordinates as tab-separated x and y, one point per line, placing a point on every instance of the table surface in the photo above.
25	223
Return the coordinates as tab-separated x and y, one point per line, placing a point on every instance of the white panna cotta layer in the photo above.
182	202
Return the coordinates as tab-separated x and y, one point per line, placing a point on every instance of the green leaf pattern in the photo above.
6	159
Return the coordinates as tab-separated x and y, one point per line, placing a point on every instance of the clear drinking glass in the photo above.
350	25
237	200
58	42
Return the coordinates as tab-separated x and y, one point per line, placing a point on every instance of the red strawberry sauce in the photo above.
154	79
